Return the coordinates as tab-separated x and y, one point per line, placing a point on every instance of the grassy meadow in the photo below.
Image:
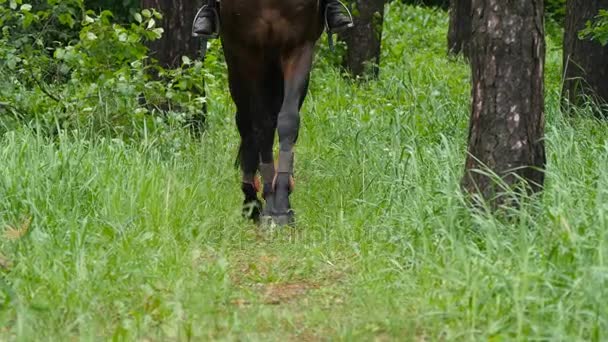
107	240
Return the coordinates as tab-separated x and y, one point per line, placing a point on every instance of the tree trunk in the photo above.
507	120
365	39
435	3
176	42
585	61
459	34
177	39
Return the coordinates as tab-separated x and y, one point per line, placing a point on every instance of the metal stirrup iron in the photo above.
216	17
205	38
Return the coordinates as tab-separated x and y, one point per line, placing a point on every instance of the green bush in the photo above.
123	9
597	29
431	3
65	67
556	9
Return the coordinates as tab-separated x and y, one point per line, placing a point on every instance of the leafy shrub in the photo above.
98	78
556	9
123	10
432	3
597	29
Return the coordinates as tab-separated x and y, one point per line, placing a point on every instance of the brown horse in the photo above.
269	45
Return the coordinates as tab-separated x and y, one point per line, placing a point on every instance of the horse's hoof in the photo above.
266	222
284	220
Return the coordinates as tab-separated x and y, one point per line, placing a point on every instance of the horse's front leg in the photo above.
296	67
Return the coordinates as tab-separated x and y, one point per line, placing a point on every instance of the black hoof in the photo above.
278	221
265	221
284	220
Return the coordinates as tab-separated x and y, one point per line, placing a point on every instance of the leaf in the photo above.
59	53
158	32
91	36
66	19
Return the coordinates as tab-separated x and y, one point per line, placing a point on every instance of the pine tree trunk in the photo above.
365	39
585	61
459	34
177	40
507	120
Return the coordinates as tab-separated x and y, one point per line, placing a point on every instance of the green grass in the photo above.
143	241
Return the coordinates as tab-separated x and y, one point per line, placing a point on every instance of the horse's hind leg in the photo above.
248	160
243	88
296	69
273	99
267	167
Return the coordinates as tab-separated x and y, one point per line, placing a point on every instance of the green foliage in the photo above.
102	240
88	59
597	29
556	9
123	10
432	3
96	76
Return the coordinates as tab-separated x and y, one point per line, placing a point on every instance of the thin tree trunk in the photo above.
177	40
585	61
507	120
459	34
365	39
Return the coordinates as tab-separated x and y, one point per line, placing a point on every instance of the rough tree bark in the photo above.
177	23
585	61
365	39
459	33
507	120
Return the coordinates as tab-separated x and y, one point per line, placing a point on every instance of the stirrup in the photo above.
330	32
205	38
216	17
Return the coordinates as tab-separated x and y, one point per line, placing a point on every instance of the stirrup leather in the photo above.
330	33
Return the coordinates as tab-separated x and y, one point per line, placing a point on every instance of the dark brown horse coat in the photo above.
269	47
